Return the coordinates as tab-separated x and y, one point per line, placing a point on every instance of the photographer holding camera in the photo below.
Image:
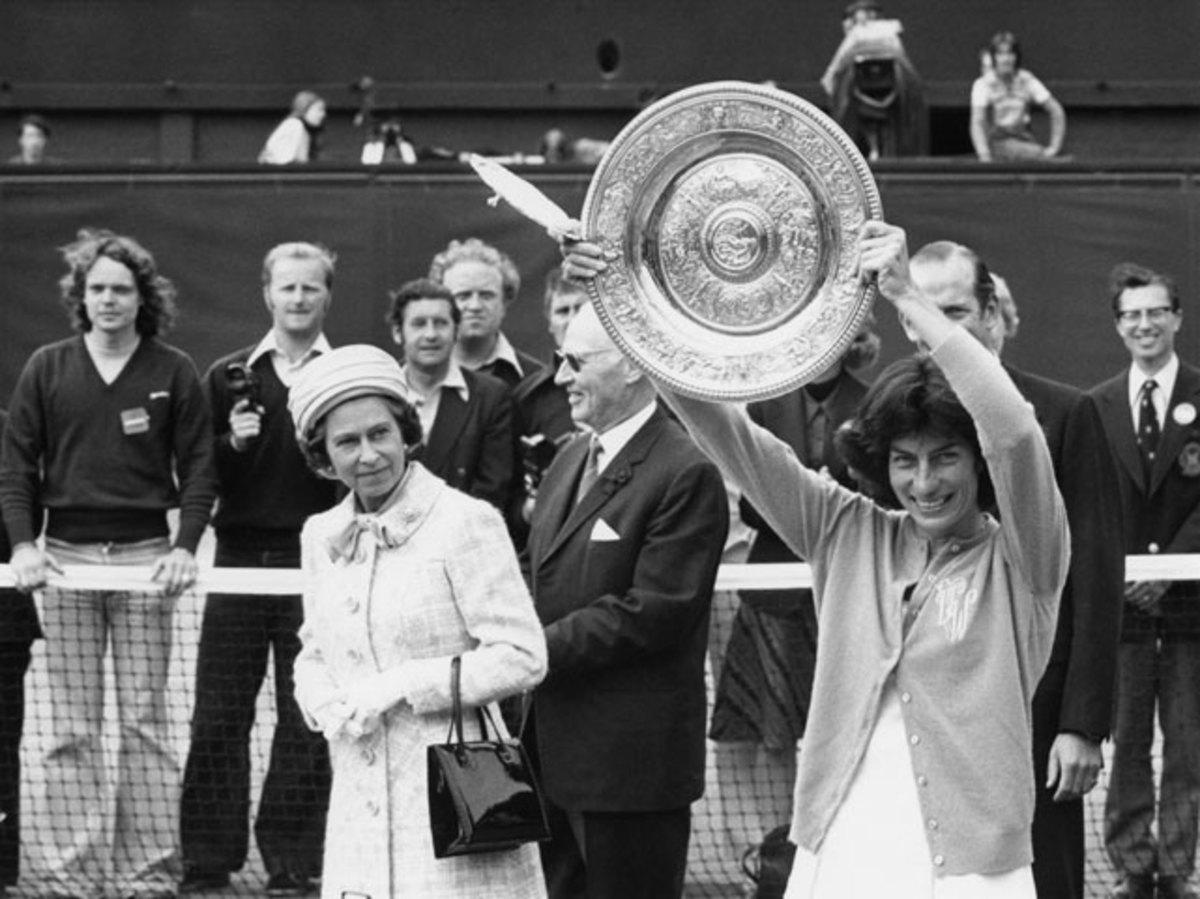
265	493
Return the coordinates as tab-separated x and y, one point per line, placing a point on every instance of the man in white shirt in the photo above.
626	538
265	493
1150	419
466	416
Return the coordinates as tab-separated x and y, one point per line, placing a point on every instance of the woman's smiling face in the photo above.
936	479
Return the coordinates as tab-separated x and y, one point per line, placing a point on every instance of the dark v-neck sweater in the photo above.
107	460
267	490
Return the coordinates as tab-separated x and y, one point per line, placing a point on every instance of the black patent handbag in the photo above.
483	796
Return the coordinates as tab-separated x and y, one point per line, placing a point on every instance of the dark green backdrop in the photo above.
1054	234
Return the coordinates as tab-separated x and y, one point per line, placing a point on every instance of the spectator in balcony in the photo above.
484	282
466	416
33	135
297	138
557	147
107	431
1149	415
1001	100
402	576
874	90
265	492
18	629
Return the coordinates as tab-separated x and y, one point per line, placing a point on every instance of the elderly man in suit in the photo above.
466	416
625	543
1149	414
1073	702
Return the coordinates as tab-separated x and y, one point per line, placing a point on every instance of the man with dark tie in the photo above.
1150	420
1072	705
466	416
626	539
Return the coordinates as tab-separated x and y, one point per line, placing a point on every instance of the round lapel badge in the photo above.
1184	414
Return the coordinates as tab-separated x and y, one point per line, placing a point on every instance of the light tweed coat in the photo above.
451	586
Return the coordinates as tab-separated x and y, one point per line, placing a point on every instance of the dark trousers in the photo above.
622	855
238	634
1169	672
14	662
1057	826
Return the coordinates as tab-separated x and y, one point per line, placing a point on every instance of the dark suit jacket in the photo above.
18	614
542	406
1164	514
1077	687
471	445
620	716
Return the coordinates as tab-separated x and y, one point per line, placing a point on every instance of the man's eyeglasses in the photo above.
1157	315
575	360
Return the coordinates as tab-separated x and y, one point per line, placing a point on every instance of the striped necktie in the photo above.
591	469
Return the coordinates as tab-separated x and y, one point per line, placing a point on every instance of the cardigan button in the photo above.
933	825
354	656
373	807
922	780
1153	548
368	755
906	697
939	860
914	739
351	604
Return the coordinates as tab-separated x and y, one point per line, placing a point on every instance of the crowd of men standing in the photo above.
622	521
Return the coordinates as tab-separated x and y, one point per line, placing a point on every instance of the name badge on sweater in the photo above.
135	421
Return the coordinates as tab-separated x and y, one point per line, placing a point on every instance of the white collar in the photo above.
1164	378
269	345
454	380
501	350
614	439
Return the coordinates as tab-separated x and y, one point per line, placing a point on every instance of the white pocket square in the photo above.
602	533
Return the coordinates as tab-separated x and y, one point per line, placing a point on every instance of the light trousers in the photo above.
129	844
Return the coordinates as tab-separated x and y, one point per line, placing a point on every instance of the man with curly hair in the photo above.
108	430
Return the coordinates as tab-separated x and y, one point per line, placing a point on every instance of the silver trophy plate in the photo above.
731	214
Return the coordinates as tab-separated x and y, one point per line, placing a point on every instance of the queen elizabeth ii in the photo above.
400	577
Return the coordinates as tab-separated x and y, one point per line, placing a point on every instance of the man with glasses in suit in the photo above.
1150	419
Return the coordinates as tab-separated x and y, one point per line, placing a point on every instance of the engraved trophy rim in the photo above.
730	212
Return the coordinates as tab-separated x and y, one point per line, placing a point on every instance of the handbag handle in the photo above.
456	714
